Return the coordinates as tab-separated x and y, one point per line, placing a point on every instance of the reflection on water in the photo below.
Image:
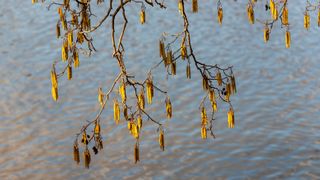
276	108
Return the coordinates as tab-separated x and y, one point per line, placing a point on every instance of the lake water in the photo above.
276	107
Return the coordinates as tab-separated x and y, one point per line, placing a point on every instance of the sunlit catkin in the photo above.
76	156
183	51
76	59
285	16
220	15
168	108
97	128
188	71
230	118
64	51
205	83
219	78
161	140
203	132
204	120
80	37
212	96
70	39
139	122
288	39
149	90
135	130
233	84
194	6
306	20
116	111
180	7
69	70
250	12
174	68
162	49
136	153
100	96
141	101
319	17
272	7
87	158
54	92
122	91
266	34
142	16
54	79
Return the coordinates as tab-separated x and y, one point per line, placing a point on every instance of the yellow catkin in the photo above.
149	90
80	37
87	158
34	1
139	122
285	16
180	7
54	79
319	18
275	14
212	96
230	118
174	68
116	111
70	39
168	108
228	92
233	84
288	39
64	51
266	34
214	106
141	100
54	92
136	153
84	138
76	155
194	6
169	59
58	31
219	78
250	12
183	51
306	20
100	96
142	16
204	120
122	91
69	68
220	15
161	49
76	59
205	83
97	128
134	130
188	71
203	132
272	7
161	140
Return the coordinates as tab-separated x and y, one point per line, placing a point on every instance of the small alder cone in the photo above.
220	15
168	108
230	118
69	72
250	12
188	71
285	16
87	158
116	111
219	78
76	156
161	140
149	90
142	16
266	34
288	39
76	59
204	120
306	20
100	96
136	153
203	132
194	6
141	100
